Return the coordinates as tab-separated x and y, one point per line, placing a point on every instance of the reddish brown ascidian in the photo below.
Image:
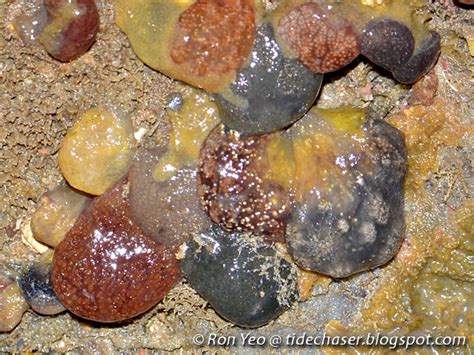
327	36
214	37
107	269
322	41
231	190
65	28
71	29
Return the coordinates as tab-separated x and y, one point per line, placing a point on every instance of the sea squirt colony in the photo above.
66	29
211	205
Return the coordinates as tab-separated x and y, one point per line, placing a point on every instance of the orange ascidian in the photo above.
324	41
201	42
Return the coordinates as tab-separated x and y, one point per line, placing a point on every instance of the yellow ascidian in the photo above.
97	151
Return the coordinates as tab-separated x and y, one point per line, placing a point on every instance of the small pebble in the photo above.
245	281
323	41
97	151
12	304
421	61
35	284
349	193
71	28
233	187
270	92
175	101
107	269
56	213
387	43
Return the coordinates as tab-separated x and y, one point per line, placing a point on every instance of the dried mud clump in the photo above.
107	269
244	280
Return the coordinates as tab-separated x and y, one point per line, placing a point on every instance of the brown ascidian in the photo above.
327	36
97	151
201	42
65	28
71	28
322	41
231	190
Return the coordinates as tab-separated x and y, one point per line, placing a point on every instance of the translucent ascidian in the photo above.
167	210
201	42
348	183
192	115
12	303
244	280
97	151
71	28
35	284
56	213
107	269
270	92
163	190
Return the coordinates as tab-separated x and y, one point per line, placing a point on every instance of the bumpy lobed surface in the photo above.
436	246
